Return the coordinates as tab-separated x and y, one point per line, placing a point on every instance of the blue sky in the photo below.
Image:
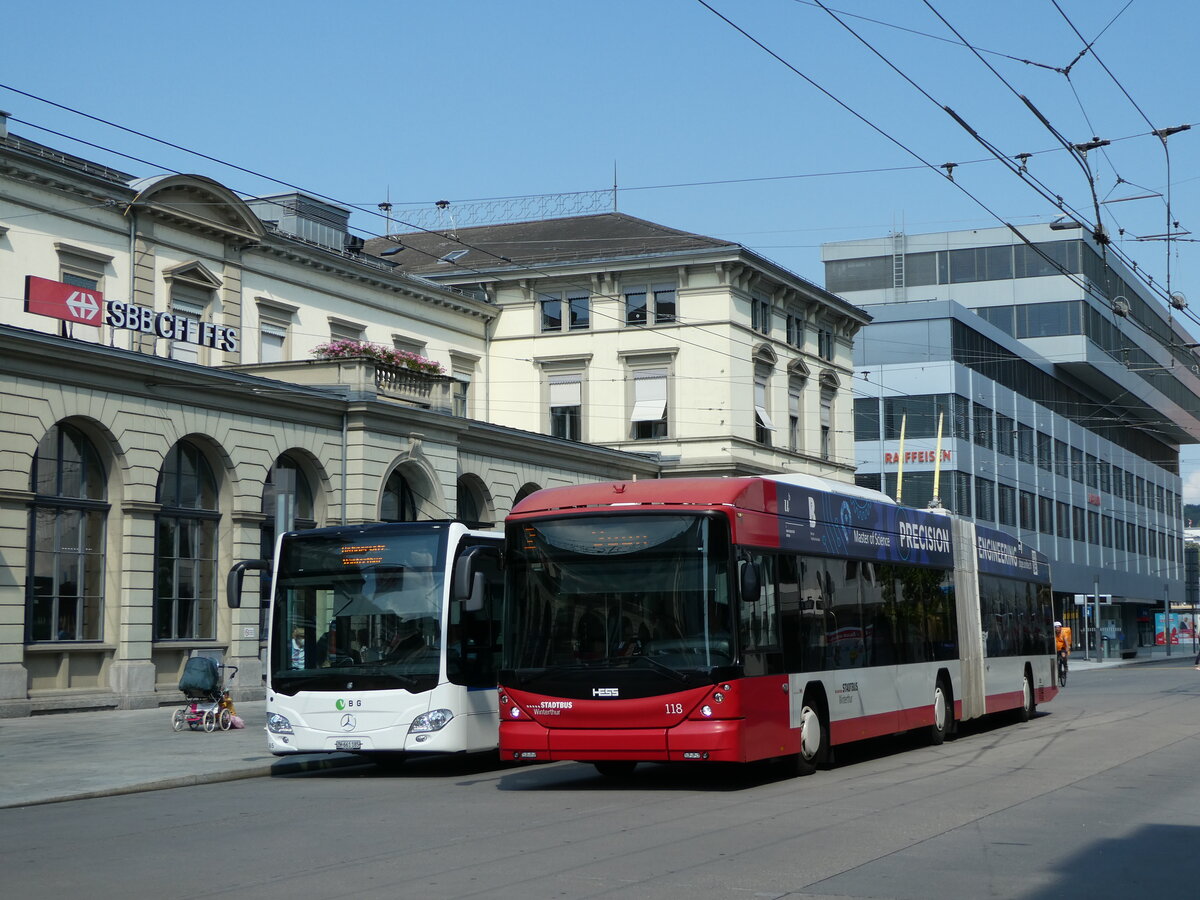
415	102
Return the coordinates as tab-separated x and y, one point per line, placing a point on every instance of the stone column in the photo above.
245	641
132	673
14	530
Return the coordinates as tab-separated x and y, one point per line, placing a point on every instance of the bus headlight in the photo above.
434	720
706	711
277	724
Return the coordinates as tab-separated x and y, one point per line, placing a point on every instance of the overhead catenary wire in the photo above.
247	171
1084	284
533	269
756	336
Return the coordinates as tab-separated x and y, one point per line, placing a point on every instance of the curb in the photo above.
273	768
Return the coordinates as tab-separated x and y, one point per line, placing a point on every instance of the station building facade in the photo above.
628	334
1063	388
158	392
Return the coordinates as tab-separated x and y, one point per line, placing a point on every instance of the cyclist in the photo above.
1062	646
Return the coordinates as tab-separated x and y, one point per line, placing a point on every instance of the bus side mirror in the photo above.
474	603
470	576
233	584
751	584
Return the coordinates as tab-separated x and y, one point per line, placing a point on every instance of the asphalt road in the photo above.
1094	798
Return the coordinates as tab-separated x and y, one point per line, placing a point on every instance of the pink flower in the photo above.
352	349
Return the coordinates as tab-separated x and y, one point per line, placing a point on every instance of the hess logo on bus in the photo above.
606	692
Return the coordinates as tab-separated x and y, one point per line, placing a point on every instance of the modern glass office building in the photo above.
1039	387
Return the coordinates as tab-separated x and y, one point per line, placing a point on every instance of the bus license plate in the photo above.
347	745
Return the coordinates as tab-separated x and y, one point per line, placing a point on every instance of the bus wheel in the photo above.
942	714
1028	703
814	740
616	768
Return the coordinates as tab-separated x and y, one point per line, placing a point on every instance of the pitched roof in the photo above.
605	236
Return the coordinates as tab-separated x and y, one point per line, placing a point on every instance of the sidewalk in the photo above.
76	756
1144	655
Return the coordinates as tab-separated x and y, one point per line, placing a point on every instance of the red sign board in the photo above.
44	297
917	456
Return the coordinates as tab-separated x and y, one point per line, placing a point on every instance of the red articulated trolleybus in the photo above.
743	619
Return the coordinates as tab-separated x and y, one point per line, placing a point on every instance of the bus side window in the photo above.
814	630
761	653
473	635
791	617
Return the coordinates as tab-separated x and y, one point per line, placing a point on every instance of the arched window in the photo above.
526	489
473	506
185	590
399	503
65	598
286	478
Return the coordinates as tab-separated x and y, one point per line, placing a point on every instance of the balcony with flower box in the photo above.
361	370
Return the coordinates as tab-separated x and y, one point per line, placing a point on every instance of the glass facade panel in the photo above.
1000	316
1045	458
1006	496
866	419
1036	320
1062	459
985	499
919	268
984	429
921	413
866	274
1024	443
1028	511
1046	515
1005	434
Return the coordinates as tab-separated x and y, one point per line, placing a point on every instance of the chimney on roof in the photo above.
3	124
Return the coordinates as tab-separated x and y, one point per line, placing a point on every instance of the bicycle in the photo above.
1062	668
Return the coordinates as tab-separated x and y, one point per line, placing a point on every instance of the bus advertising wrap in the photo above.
857	528
1002	554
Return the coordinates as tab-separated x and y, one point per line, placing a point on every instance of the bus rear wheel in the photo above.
943	714
814	739
1028	701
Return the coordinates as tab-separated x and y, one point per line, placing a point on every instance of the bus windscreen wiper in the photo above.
660	666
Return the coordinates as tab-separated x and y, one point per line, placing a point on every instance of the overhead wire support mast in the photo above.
1162	134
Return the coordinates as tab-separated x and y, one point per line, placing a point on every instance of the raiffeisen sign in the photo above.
44	297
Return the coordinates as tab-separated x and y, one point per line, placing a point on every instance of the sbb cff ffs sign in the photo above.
44	297
73	304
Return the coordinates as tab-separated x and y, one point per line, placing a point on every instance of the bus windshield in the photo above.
370	610
618	590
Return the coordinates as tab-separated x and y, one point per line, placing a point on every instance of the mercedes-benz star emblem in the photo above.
348	722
